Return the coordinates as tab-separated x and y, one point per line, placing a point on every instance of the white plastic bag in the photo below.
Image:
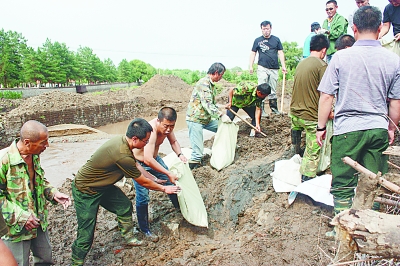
224	146
286	175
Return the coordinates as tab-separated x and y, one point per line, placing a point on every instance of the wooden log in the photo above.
375	233
387	184
392	150
366	191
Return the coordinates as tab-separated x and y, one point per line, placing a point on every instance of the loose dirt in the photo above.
249	223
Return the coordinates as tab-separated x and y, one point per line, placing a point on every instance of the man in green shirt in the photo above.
304	104
248	96
94	186
335	26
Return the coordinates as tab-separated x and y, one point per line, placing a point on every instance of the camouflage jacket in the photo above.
17	201
245	95
202	108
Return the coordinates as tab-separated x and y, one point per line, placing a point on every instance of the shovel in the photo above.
253	127
283	91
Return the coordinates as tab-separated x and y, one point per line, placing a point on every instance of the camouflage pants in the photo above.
309	163
87	206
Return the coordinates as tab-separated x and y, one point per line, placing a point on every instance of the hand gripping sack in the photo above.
224	146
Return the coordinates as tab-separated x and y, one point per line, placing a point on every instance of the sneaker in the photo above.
252	133
151	237
134	242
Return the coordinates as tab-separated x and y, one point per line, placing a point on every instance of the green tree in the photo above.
110	71
293	55
140	71
32	66
12	48
124	71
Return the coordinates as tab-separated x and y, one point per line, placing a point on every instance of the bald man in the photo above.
23	194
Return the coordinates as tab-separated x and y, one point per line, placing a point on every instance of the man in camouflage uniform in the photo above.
23	194
202	112
248	96
304	105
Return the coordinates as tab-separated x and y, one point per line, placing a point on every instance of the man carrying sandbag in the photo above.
148	157
248	96
202	112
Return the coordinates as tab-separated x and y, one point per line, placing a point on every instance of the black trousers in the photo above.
250	110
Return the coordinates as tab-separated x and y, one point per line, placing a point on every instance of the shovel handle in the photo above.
244	120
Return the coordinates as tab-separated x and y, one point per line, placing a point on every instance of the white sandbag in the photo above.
391	45
224	146
286	175
190	200
326	149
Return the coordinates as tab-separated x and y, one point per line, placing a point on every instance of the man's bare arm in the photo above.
176	147
384	30
251	61
394	115
148	158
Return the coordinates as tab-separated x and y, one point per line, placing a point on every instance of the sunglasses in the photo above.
329	9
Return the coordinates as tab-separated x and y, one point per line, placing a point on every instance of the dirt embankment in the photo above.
249	224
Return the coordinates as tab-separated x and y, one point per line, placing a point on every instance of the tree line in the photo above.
55	64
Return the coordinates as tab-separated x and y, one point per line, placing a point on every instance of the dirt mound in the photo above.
170	88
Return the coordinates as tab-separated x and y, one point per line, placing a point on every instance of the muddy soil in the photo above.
249	223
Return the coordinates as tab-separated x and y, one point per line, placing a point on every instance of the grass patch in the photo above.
10	95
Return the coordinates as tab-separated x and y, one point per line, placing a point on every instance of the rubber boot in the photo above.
125	225
263	112
339	205
273	104
76	262
142	213
194	165
174	200
296	141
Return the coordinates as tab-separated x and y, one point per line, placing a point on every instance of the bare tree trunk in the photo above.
373	232
361	229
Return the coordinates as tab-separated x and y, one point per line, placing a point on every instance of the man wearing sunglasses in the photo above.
148	157
391	15
335	26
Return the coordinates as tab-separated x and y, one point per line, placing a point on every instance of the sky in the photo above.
173	34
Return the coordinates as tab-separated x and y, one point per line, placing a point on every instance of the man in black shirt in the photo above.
269	48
